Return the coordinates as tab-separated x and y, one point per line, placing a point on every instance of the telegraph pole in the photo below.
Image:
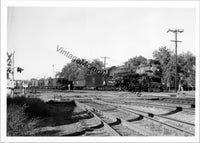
105	61
175	31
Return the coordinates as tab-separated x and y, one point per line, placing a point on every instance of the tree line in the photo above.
163	57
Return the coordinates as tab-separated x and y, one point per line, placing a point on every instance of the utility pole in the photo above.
175	31
104	63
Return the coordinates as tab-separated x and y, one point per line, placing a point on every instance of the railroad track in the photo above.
157	118
172	100
151	117
190	109
177	108
97	124
190	102
101	125
114	125
117	126
94	126
98	115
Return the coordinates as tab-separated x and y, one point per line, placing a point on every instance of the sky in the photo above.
90	33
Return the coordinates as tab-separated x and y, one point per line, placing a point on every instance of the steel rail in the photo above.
184	109
150	116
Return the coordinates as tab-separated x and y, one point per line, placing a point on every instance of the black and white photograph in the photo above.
77	70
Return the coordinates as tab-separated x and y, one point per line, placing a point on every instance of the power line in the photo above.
175	31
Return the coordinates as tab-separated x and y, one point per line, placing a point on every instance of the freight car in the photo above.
94	81
41	83
48	83
60	83
51	83
34	83
79	84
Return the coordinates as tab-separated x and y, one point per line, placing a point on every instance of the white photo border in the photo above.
140	4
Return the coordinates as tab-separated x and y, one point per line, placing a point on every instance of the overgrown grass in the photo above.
25	115
18	123
35	107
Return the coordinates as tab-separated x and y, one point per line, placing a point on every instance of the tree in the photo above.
95	66
79	70
134	62
164	56
73	71
186	64
169	72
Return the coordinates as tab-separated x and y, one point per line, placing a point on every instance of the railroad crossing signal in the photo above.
8	69
9	64
9	60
